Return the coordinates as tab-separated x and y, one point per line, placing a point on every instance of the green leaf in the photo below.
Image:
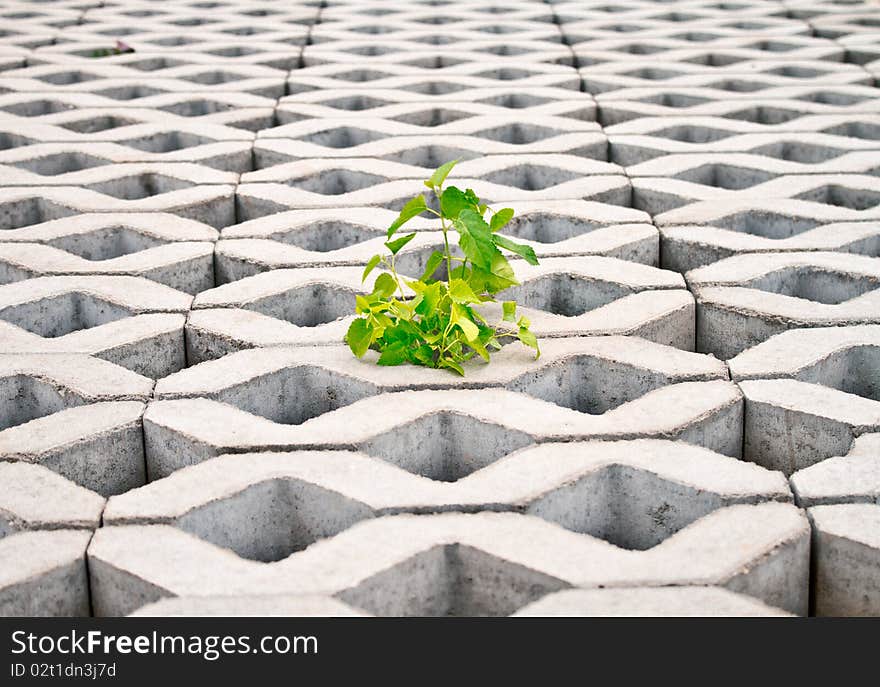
453	200
371	264
414	207
395	354
475	239
500	218
384	286
424	354
431	296
526	252
460	319
402	310
359	337
451	365
431	266
530	340
399	243
478	346
483	281
460	292
509	308
440	174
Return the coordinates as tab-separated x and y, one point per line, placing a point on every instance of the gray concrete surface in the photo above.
182	232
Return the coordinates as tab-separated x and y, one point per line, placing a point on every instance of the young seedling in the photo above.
439	323
120	48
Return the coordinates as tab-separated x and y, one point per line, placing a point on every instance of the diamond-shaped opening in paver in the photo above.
106	243
430	156
771	45
862	130
309	305
437	87
61	163
153	64
770	225
693	134
738	85
794	151
725	176
355	103
518	133
712	59
362	75
435	116
675	17
28	211
270	520
234	51
9	141
327	236
499	29
129	92
842	196
249	30
854	370
139	186
589	384
832	98
451	580
372	29
505	50
506	74
676	100
142	13
192	21
334	182
639	49
196	108
167	142
629	507
652	74
36	108
446	446
532	177
434	62
814	284
342	137
93	125
176	41
514	101
295	394
369	50
764	114
793	72
63	314
67	78
213	78
568	295
376	11
24	398
436	20
547	228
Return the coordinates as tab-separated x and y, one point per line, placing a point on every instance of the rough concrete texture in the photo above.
182	233
648	602
846	553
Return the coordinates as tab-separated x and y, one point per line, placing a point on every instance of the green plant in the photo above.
119	49
439	324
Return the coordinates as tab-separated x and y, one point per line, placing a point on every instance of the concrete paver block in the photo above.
468	564
846	546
